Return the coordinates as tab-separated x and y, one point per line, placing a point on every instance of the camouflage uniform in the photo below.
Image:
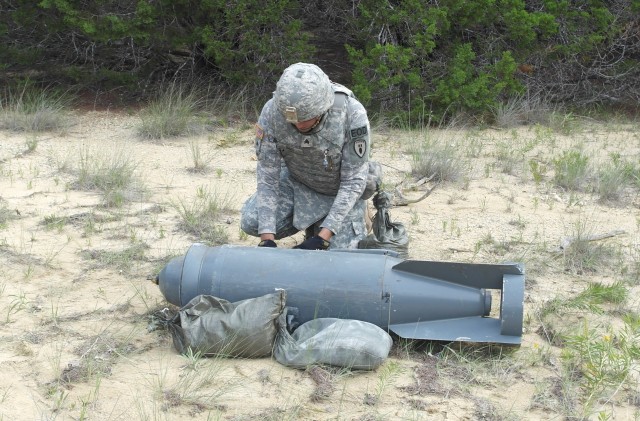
313	179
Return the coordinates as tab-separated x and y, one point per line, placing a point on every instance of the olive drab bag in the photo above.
386	234
213	326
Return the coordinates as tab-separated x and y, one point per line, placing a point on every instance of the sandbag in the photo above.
344	343
386	234
213	326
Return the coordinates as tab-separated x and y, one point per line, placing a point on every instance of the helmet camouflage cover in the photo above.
303	92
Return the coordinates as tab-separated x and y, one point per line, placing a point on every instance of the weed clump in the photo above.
114	175
438	158
169	114
571	170
201	215
31	109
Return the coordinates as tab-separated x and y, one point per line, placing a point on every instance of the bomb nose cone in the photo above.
169	280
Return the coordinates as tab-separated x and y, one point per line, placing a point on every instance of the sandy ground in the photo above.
73	315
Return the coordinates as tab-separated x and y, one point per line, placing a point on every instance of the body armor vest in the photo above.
314	158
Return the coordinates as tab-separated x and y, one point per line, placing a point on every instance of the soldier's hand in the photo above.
267	243
313	243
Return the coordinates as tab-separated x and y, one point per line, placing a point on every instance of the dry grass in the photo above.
29	108
81	233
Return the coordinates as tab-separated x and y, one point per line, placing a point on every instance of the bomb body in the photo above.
414	299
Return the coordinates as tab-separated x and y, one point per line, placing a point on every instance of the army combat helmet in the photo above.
303	92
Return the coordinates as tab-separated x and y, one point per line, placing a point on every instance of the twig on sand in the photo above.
567	241
400	200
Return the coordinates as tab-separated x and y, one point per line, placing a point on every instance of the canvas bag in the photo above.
352	344
386	234
214	326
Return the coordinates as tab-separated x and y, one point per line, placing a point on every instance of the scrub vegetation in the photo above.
494	61
29	107
91	210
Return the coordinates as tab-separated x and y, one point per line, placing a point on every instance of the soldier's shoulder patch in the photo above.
359	132
360	147
259	132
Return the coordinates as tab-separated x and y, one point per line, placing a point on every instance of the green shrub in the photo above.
440	58
571	170
456	55
250	41
245	42
602	360
407	58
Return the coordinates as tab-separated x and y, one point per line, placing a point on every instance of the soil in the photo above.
76	290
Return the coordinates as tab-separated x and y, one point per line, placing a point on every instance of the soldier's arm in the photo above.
353	170
267	173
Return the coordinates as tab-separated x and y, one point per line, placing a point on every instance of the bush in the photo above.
571	170
419	44
27	107
406	57
169	113
438	158
471	56
239	42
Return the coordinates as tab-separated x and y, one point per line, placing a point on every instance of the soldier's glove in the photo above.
267	243
313	243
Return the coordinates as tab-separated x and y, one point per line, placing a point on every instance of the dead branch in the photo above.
567	241
415	185
400	200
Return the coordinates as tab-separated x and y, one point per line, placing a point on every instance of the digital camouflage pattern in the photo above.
315	159
309	205
304	88
323	177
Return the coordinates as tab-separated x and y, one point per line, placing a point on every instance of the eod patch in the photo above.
359	140
359	132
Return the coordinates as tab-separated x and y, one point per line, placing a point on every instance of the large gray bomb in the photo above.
412	298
